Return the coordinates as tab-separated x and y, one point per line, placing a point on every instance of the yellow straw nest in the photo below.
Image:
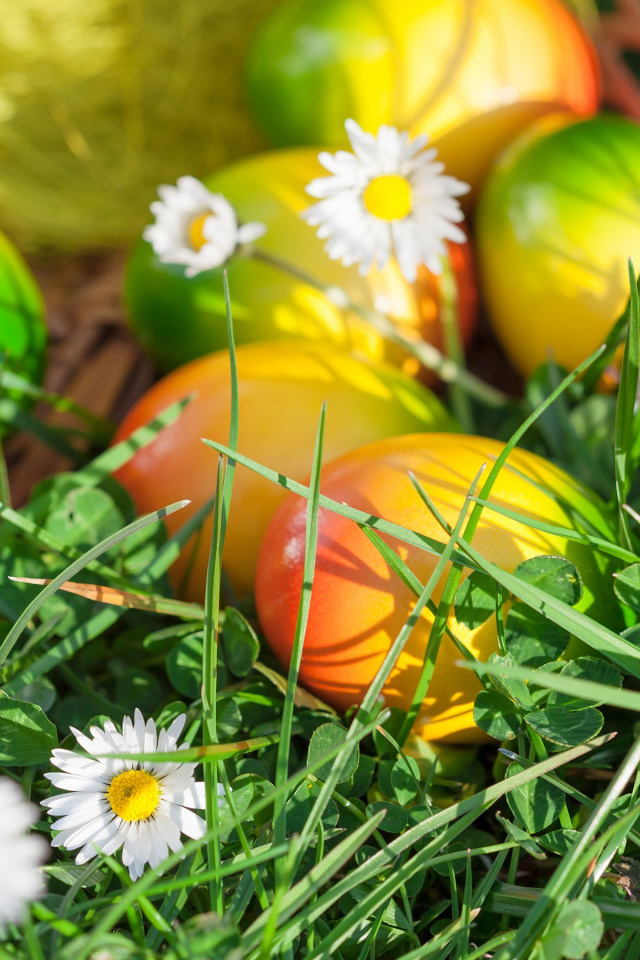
101	100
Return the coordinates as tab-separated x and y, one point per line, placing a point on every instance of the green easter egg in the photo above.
23	332
555	226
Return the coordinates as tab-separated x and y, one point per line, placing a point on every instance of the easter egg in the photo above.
23	332
555	226
102	101
358	605
471	75
179	318
281	389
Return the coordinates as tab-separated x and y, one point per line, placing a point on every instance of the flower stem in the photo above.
429	356
451	329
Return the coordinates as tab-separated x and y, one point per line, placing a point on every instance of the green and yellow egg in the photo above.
557	221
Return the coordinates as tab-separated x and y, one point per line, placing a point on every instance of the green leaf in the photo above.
476	600
405	780
537	803
84	517
579	929
558	841
41	691
568	728
27	736
138	688
69	572
523	839
396	817
300	804
240	645
358	784
497	715
384	747
69	873
585	668
458	865
626	584
515	690
325	738
531	638
555	575
229	719
580	689
184	666
602	639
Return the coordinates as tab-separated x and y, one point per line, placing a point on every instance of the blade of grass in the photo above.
222	503
612	341
455	574
516	901
568	871
441	616
568	533
475	805
123	598
311	540
116	456
15	418
580	689
595	635
210	688
368	704
11	380
403	534
626	427
75	567
449	318
82	948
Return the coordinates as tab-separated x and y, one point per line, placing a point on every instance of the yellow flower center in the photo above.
388	197
197	238
134	795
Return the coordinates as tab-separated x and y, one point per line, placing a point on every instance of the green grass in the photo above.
334	838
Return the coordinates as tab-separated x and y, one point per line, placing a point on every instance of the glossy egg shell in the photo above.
23	331
557	221
358	605
471	75
281	389
179	318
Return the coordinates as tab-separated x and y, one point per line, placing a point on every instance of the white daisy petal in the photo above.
249	232
141	807
196	229
189	822
21	854
410	211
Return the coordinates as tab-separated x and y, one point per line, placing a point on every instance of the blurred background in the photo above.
101	102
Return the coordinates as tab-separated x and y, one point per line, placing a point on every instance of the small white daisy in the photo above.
140	806
389	196
21	853
195	227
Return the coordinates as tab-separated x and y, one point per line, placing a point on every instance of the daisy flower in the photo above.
389	196
21	853
196	228
141	806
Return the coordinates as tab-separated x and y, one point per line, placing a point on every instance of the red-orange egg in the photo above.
358	605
